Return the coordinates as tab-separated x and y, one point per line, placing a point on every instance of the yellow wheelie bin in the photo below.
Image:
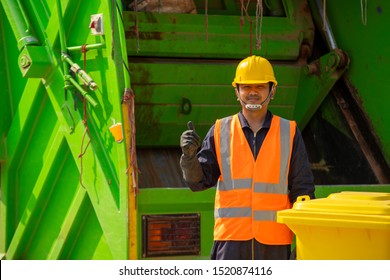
344	226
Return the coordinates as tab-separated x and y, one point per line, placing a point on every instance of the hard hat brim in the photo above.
252	82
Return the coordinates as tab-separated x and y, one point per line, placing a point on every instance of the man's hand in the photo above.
190	141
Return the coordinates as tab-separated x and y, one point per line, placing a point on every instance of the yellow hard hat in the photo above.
254	70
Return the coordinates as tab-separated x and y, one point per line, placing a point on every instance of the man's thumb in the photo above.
190	126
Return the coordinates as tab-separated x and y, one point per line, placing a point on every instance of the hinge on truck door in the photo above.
317	79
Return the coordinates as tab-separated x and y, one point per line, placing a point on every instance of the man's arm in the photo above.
202	171
300	177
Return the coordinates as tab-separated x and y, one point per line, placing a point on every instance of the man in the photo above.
258	162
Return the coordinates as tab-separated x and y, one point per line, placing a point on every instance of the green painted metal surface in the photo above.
170	93
319	76
58	202
169	35
360	31
181	201
64	189
177	80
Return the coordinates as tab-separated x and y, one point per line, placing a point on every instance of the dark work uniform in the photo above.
300	182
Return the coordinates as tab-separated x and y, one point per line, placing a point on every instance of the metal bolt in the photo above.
332	62
312	68
25	61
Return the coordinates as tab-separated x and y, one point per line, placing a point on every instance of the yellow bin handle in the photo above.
303	198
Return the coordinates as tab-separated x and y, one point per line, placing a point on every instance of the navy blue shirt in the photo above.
300	177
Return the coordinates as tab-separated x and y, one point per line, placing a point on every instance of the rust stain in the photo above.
146	115
131	34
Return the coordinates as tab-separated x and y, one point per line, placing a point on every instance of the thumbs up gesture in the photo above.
190	141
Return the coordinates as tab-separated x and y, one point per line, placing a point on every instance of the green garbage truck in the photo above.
95	95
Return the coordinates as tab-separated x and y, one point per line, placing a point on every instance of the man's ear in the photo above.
273	90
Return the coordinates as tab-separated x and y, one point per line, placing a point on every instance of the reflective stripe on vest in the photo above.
246	207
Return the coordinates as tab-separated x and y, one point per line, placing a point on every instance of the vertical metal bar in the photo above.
62	36
322	20
61	29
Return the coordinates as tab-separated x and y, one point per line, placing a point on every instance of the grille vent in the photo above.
170	235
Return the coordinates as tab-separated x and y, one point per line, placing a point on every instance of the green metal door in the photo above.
64	178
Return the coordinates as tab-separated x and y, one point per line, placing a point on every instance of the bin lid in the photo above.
347	202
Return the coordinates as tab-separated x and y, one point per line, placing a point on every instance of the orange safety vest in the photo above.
249	192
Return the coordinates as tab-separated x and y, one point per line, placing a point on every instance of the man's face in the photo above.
253	93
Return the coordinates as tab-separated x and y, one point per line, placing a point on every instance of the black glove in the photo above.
190	141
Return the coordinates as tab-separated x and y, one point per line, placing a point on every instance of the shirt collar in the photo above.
266	124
